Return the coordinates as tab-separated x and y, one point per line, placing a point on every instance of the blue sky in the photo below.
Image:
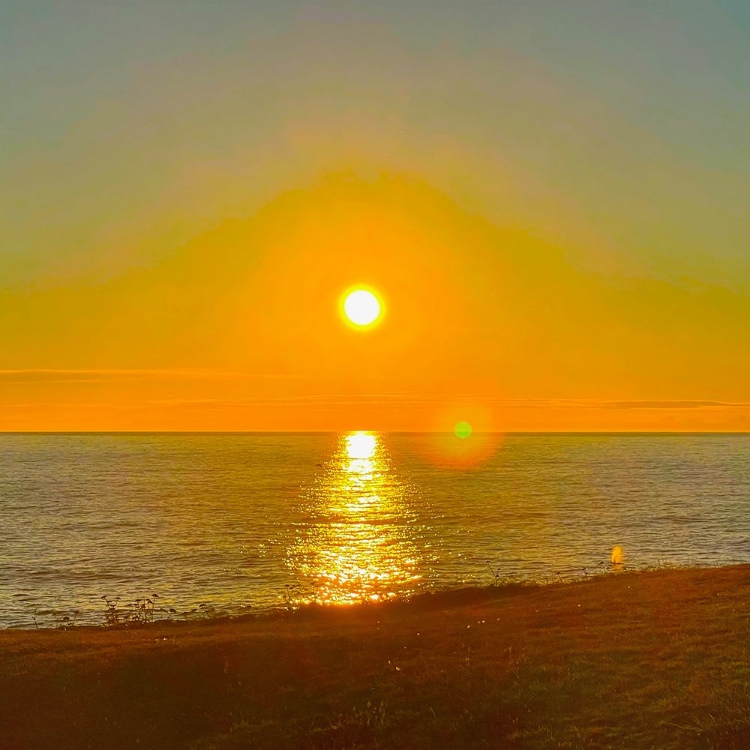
618	129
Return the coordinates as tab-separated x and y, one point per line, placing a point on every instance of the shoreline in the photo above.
449	594
637	659
212	613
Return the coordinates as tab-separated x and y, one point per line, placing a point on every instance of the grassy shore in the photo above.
636	660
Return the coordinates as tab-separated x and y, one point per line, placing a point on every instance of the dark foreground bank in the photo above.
637	660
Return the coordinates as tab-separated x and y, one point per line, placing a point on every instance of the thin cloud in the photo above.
676	405
50	375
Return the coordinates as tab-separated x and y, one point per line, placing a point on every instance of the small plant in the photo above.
291	596
207	610
63	620
112	615
146	609
141	611
496	574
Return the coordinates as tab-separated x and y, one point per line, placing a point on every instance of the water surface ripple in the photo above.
253	520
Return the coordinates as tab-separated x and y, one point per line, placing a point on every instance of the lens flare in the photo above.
463	435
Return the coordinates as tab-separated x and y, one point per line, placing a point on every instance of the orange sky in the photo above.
240	329
550	198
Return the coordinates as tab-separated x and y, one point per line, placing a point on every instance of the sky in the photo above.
550	199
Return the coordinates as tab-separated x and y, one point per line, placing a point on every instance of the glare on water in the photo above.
239	520
357	545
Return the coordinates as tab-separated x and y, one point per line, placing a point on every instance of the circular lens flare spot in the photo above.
361	307
462	430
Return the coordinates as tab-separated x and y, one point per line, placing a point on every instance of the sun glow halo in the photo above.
362	308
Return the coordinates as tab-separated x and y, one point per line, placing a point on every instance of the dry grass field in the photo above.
635	660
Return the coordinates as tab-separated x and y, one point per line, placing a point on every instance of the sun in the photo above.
362	308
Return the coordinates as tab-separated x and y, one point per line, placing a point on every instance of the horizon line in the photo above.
386	432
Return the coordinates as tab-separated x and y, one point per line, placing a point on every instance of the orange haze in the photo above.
241	330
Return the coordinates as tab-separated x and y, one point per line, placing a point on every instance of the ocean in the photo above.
235	523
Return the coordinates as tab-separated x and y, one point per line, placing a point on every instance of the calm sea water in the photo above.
237	521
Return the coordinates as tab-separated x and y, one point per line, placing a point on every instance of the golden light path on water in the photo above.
358	543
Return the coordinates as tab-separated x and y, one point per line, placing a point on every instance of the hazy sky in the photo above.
552	197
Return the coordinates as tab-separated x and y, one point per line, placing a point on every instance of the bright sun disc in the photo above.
362	307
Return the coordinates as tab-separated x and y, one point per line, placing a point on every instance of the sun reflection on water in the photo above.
358	544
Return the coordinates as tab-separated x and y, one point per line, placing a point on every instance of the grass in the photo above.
636	660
